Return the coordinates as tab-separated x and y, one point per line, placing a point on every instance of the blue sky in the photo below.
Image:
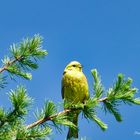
101	34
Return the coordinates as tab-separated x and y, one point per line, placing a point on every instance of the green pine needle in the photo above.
97	86
122	91
16	70
29	48
62	119
100	123
2	115
111	107
2	81
20	100
136	101
49	108
89	113
34	133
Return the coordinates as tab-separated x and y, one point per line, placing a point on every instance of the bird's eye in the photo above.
74	65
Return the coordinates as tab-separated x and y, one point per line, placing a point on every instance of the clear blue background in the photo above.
100	34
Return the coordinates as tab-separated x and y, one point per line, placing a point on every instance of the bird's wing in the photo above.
62	89
62	85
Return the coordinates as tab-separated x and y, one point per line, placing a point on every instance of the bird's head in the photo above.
74	65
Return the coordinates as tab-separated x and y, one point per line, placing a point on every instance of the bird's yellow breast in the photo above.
74	86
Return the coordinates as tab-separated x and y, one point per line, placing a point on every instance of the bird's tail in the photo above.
73	133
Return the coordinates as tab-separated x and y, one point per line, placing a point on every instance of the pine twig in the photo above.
102	99
48	118
10	63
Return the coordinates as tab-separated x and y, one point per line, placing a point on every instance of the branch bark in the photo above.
102	99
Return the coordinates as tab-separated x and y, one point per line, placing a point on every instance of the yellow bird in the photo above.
74	90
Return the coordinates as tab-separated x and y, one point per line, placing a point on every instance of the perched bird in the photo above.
74	90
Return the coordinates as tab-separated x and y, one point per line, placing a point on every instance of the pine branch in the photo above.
120	92
20	101
24	57
64	112
9	64
48	118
